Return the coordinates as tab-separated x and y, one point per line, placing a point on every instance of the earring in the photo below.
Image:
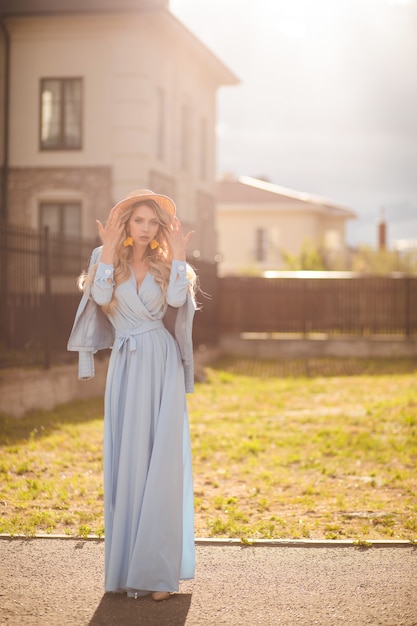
128	242
154	244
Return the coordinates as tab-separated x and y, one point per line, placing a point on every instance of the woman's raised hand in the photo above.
177	240
110	234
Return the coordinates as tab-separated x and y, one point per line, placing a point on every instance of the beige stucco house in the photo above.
258	222
100	97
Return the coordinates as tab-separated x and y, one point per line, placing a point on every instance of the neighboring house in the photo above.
98	98
258	222
405	246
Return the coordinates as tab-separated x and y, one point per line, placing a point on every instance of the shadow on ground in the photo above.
114	608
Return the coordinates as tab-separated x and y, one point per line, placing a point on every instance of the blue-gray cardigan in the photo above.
92	331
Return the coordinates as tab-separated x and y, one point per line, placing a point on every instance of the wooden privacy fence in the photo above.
345	304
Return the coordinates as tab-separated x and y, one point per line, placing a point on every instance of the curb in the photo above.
261	543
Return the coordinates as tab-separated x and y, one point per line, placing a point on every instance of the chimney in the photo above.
382	232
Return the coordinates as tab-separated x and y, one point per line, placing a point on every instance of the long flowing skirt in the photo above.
148	486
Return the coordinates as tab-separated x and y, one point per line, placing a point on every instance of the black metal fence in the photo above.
39	296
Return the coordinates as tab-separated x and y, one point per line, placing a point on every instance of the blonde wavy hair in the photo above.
158	260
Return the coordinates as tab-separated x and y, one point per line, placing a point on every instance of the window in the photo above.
185	137
261	244
203	148
61	113
160	124
64	222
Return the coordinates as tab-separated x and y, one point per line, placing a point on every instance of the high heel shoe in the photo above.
159	596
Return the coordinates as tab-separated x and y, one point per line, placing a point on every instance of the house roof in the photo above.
246	190
40	8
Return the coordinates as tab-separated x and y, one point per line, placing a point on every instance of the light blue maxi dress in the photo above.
148	485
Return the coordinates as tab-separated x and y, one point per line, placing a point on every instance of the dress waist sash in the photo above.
129	335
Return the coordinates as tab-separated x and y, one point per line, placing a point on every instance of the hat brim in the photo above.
165	202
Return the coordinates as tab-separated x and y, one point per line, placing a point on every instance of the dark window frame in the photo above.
261	245
61	145
65	249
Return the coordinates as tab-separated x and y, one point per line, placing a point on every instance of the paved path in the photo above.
58	582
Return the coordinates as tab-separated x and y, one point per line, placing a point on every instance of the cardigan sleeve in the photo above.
85	364
102	288
91	330
178	284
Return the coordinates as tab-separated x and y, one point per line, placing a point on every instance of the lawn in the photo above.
315	449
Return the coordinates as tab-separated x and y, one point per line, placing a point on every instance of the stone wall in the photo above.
28	186
345	347
22	391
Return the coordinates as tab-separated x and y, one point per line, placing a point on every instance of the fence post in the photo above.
304	309
47	300
4	275
407	321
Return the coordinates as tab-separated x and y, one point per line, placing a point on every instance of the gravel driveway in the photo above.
59	582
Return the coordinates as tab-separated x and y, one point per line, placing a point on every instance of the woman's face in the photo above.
143	225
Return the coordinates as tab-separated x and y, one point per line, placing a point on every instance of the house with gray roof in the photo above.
259	223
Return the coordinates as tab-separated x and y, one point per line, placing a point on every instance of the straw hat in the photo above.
141	195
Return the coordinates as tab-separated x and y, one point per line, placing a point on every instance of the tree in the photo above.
309	258
370	261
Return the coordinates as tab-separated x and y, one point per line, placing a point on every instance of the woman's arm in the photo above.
110	234
103	284
179	281
178	285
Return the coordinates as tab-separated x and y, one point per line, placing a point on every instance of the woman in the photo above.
134	277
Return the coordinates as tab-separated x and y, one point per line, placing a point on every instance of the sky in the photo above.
326	104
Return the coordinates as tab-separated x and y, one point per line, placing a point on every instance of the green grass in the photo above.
323	448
